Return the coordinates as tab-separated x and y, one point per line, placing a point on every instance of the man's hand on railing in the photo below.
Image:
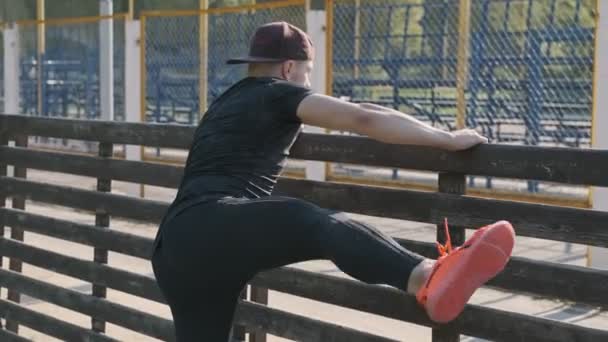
464	139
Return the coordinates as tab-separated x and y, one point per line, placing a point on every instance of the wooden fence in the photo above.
552	280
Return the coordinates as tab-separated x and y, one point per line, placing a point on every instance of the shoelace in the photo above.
446	248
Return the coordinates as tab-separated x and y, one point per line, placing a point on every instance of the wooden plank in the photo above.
48	325
258	295
118	314
450	183
8	336
566	165
89	235
167	135
333	290
117	169
239	332
298	328
560	281
273	320
475	321
540	278
102	220
3	195
115	205
535	220
121	280
145	286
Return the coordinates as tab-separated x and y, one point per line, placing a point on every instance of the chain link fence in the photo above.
529	69
62	78
172	68
399	54
173	54
29	84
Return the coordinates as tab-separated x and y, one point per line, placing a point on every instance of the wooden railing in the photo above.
547	279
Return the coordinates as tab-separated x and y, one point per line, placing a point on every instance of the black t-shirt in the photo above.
241	145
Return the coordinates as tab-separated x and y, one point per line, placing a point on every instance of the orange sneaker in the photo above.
459	272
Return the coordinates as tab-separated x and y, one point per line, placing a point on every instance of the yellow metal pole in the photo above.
131	10
203	32
464	9
41	47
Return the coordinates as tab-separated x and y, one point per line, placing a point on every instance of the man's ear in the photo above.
286	68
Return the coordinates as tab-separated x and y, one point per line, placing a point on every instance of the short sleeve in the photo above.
286	99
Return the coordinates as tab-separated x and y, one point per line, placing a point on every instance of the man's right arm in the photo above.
381	123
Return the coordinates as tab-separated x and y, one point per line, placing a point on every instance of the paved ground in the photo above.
531	248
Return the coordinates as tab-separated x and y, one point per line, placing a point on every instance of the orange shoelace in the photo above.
446	248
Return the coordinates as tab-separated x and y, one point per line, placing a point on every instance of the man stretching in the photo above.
225	225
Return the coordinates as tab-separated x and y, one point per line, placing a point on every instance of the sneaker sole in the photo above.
485	259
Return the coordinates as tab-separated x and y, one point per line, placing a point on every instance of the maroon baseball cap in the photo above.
277	42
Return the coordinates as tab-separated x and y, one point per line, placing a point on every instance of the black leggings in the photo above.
208	252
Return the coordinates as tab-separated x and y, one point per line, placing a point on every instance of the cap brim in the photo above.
250	59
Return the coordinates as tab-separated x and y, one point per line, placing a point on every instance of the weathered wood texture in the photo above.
9	336
535	220
102	220
476	321
455	184
572	166
298	328
115	205
3	172
110	312
89	235
583	226
18	202
46	324
252	315
566	165
93	166
540	278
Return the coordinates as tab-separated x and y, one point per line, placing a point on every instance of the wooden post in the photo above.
451	183
238	331
102	219
258	295
18	202
3	142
